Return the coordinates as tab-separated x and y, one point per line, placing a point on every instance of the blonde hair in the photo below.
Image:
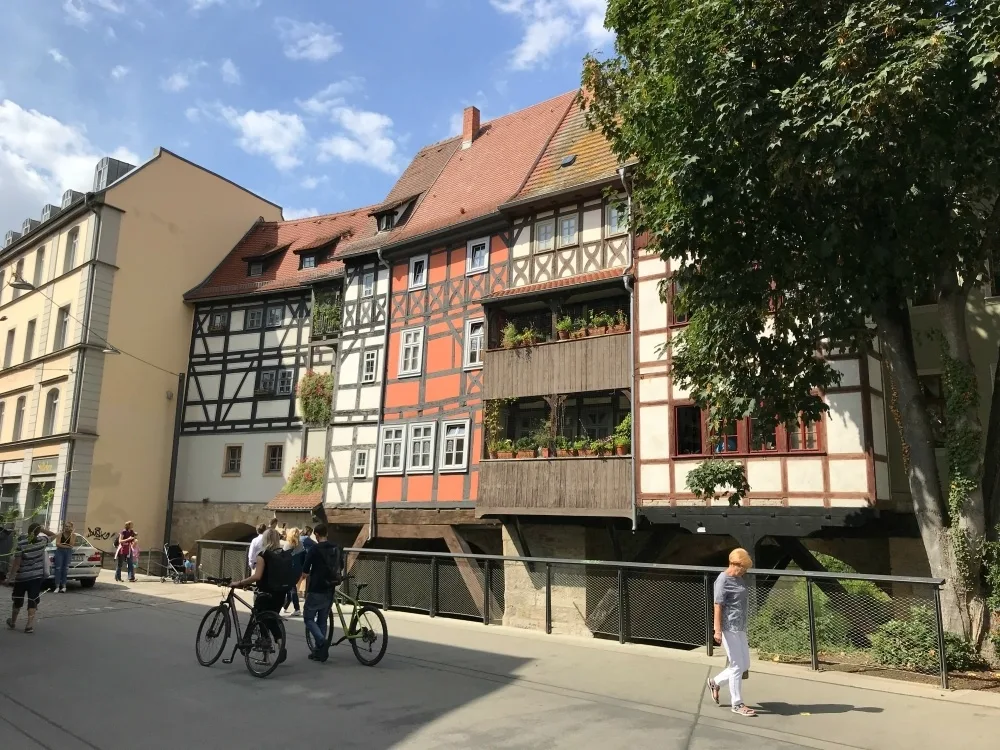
292	536
272	540
741	557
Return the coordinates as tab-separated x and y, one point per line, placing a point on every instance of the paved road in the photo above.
115	668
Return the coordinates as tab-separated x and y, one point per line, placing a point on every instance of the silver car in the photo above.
84	565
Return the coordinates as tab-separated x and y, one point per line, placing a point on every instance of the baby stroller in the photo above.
176	570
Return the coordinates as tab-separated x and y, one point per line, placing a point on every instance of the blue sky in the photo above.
316	105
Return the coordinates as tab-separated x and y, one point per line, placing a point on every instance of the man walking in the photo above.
256	546
27	573
322	571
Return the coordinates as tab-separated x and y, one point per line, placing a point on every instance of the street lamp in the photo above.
16	282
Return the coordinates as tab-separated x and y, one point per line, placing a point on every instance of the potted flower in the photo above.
563	327
579	329
600	323
510	337
505	449
621	322
600	446
542	436
524	448
623	445
582	447
564	448
529	337
622	438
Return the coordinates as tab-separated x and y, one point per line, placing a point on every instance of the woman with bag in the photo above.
127	539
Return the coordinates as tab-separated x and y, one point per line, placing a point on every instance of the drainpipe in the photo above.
373	518
174	453
629	286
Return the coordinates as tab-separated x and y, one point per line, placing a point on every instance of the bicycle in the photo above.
259	637
363	631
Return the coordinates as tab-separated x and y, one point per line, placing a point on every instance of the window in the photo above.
475	338
62	328
253	320
8	352
617	220
454	446
477	255
727	439
2	281
391	451
762	438
3	410
267	381
273	457
933	389
69	258
368	284
29	340
567	230
677	317
596	421
51	411
285	380
368	370
803	437
688	421
39	267
275	316
361	464
386	221
421	457
18	418
256	268
18	276
411	351
234	461
418	272
544	235
219	321
307	261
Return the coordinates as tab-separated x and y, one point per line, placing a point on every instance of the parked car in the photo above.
84	567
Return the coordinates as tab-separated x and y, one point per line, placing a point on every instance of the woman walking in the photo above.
293	543
731	610
64	553
127	538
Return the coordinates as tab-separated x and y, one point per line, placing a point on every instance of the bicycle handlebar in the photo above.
219	581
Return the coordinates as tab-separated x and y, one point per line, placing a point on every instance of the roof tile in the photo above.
584	278
307	501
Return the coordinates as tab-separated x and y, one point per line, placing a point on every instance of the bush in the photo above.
781	625
306	477
913	644
315	392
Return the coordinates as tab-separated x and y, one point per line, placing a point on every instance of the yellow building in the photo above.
94	328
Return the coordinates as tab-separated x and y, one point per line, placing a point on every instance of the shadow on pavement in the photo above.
791	709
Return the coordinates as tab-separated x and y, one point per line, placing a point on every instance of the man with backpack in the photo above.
322	570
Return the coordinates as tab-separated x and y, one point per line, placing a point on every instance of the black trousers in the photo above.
266	602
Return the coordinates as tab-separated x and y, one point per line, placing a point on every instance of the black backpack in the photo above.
279	572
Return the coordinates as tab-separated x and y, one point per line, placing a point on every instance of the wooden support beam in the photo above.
657	541
458	546
359	542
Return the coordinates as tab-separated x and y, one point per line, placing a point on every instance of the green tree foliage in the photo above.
315	391
808	168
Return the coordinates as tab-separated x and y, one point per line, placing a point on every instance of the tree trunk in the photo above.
991	465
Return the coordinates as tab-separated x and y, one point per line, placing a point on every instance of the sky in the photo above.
317	105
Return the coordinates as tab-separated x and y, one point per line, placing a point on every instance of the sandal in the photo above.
29	629
744	710
714	689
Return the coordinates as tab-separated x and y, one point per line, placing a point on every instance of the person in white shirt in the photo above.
256	546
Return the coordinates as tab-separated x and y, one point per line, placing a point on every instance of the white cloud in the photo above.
181	78
551	24
193	114
40	157
118	72
366	138
276	135
76	12
299	213
112	6
325	101
197	5
311	183
110	33
306	40
230	73
58	56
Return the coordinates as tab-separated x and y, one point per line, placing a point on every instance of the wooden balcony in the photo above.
585	486
594	363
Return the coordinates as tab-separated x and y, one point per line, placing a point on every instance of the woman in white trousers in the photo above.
731	611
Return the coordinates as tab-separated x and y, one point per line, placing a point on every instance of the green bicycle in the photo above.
366	629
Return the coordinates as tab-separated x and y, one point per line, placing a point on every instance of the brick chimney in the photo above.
470	126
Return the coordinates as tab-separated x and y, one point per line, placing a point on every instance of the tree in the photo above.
811	167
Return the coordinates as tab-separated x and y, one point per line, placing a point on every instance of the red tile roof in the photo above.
477	180
307	501
584	278
285	240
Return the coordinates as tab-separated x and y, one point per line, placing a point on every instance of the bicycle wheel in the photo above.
310	641
369	636
264	643
213	633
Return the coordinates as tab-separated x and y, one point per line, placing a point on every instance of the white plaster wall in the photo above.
592	221
522	248
650	347
209	386
875	374
849	476
651	309
882	489
239	413
239	342
805	475
850	371
764	476
843	428
654	388
655	478
272	409
654	432
370	398
681	470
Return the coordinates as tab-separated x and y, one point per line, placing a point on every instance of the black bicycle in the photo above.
261	643
366	629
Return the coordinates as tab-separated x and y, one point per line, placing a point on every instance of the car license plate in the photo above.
78	558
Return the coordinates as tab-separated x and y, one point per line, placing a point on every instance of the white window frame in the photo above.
279	389
239	460
360	464
272	375
467	344
308	261
247	326
267	460
400	440
267	316
367	284
431	442
372	356
576	232
538	245
420	352
622	220
470	269
444	468
411	283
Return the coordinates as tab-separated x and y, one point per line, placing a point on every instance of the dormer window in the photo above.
386	221
307	261
255	268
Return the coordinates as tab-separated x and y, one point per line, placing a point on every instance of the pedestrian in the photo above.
307	544
27	573
64	554
256	546
293	544
270	590
731	610
322	573
124	552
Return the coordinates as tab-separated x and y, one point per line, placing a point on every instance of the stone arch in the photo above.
232	532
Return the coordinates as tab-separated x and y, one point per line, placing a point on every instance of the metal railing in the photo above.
844	621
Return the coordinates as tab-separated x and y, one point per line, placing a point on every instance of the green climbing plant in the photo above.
492	424
315	391
717	478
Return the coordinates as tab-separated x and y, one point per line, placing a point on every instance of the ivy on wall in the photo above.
306	477
315	391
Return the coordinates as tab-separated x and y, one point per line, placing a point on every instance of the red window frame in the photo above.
677	433
775	432
675	318
803	430
742	437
